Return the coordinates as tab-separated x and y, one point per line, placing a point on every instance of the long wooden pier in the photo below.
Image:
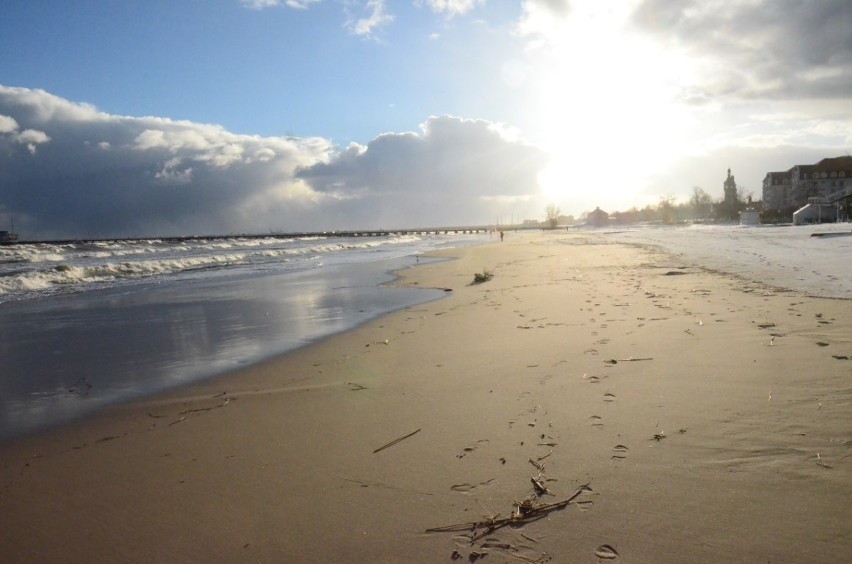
288	235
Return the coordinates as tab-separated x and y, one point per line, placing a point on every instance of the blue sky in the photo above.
171	117
270	71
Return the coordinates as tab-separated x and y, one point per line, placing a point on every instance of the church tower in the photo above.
730	187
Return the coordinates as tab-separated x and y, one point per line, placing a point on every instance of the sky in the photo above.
177	117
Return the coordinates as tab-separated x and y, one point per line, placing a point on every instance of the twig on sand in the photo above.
539	486
631	359
821	463
524	514
538	465
395	441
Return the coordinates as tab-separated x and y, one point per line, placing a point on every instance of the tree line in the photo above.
700	206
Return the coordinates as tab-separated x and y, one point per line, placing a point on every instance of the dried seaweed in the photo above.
523	513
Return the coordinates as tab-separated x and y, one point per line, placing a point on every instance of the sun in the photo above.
605	110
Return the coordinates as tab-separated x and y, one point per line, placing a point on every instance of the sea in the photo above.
84	325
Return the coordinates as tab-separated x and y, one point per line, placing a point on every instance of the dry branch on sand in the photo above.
395	441
523	513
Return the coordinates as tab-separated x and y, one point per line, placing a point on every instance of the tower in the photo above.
730	187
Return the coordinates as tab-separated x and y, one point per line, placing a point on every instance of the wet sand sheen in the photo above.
697	415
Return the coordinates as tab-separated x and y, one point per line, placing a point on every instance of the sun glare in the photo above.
604	112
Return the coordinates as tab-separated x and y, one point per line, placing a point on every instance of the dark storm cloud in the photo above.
775	49
70	171
67	170
453	170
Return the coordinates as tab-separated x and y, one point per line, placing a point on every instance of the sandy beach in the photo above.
688	415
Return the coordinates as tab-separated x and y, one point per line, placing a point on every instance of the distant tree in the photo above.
744	196
700	202
551	215
665	209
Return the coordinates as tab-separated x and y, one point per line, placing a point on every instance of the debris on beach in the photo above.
396	441
522	512
631	359
81	387
483	276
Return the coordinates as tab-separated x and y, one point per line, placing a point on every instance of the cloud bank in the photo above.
452	170
779	49
71	171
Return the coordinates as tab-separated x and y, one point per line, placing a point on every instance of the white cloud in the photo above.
30	138
8	124
453	7
375	16
263	4
173	174
542	19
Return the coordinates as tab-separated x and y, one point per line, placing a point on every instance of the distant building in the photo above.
749	216
597	218
730	188
829	180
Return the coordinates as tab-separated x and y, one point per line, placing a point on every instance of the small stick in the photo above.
491	525
821	463
390	444
540	488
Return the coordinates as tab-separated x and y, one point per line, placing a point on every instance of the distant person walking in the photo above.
501	235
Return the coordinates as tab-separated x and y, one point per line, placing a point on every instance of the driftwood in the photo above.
631	359
539	486
395	441
521	515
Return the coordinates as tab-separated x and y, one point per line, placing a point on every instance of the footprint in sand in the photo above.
597	421
608	397
468	449
606	552
465	488
620	452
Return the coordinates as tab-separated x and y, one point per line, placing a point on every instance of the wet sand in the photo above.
701	417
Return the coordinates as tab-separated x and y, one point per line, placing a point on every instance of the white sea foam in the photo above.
31	270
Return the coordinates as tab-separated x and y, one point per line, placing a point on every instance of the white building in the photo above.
829	180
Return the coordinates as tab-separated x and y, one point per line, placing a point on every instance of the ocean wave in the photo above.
29	270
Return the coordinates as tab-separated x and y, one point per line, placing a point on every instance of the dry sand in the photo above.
726	438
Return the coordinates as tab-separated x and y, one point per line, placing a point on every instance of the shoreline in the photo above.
133	343
692	404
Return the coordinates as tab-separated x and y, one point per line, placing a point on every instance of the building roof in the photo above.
779	177
832	164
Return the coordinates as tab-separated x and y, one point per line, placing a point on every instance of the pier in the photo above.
277	235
